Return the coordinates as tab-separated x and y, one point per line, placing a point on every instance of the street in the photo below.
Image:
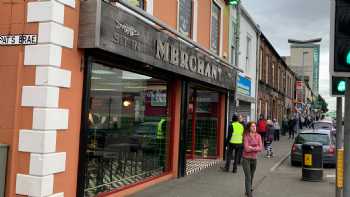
274	177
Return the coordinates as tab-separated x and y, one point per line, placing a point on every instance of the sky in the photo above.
296	19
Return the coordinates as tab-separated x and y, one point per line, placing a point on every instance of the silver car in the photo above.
321	136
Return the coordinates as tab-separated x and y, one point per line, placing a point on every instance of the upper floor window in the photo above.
267	68
233	43
137	3
260	64
215	28
273	75
185	17
248	53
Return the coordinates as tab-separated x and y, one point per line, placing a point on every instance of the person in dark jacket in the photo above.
291	126
234	142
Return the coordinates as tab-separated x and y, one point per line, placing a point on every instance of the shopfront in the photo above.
245	97
151	102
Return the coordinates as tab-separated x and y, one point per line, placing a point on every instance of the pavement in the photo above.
274	177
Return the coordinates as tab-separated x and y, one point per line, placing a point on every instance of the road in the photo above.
286	181
274	178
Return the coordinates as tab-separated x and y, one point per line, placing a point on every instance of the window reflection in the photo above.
137	3
128	132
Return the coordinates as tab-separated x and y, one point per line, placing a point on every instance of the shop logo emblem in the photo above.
127	29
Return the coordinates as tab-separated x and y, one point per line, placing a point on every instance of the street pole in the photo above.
346	188
340	150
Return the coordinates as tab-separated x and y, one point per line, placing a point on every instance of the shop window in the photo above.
185	17
215	28
127	134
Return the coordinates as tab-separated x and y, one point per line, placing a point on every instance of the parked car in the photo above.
318	135
325	125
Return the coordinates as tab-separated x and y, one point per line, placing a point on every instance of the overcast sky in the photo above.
298	19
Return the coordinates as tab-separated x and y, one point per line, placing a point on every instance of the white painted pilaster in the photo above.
43	54
37	141
46	164
50	119
34	185
40	96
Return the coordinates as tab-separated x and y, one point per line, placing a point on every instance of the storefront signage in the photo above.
110	28
244	85
127	29
172	54
23	39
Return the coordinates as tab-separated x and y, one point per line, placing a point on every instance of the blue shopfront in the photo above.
245	97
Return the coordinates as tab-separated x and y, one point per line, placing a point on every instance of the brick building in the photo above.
276	90
111	97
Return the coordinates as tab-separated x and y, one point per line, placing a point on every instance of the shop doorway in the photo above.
201	144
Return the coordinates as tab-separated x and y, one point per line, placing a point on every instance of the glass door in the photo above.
202	119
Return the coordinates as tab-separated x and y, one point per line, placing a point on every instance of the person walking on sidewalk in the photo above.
277	128
262	127
269	138
284	125
234	142
252	146
291	126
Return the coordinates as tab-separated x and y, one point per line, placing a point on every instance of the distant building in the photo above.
304	60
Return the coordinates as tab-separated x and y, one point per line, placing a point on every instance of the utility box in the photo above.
3	162
312	169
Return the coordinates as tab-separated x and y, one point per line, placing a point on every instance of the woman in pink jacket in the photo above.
252	146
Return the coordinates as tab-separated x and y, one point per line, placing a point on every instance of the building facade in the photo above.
304	60
276	90
108	98
246	60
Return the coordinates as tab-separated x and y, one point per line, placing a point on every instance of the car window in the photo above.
322	125
312	137
146	129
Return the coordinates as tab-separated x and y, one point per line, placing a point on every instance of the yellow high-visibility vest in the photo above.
160	130
237	134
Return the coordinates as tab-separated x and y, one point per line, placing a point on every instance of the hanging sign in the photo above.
22	39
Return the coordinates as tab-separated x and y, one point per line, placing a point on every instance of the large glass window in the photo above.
127	129
215	28
185	17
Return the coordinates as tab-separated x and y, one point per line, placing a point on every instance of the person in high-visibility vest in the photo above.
161	132
234	142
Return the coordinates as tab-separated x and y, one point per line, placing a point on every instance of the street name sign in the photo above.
22	39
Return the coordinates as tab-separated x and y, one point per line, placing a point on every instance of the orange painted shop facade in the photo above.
104	99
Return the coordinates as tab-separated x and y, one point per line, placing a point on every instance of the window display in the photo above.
127	129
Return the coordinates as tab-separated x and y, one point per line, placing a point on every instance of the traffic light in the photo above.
339	86
232	2
342	37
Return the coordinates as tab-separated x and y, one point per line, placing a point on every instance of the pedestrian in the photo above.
252	146
262	127
284	125
277	128
234	142
269	138
291	126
